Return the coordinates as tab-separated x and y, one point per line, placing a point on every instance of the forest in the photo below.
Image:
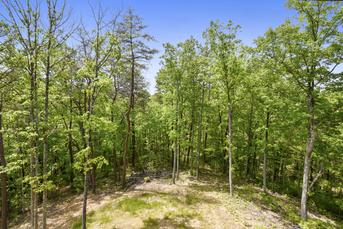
229	125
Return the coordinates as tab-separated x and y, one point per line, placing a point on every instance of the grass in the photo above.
78	222
284	206
151	223
192	199
135	204
156	209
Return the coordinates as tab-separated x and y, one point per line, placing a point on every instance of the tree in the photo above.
54	38
24	19
6	81
309	52
135	53
223	44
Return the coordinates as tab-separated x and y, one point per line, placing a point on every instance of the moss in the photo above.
135	204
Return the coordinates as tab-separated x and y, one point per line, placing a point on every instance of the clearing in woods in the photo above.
187	204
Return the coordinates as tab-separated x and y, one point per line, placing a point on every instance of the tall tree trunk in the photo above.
230	147
175	156
174	161
250	141
93	171
265	153
70	144
46	119
178	160
33	148
86	172
309	149
133	140
128	113
84	204
191	147
71	157
200	132
4	178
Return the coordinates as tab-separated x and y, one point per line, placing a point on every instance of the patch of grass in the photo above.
151	223
192	199
78	222
316	224
107	207
155	223
135	204
146	195
181	213
104	218
285	207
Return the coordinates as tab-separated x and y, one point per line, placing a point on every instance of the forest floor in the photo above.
186	204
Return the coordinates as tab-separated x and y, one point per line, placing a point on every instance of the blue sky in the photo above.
176	20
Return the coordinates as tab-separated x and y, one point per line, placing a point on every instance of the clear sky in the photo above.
176	20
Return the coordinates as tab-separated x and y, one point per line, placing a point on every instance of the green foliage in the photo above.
199	81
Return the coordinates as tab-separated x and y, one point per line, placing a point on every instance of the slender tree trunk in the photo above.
71	157
178	160
70	144
191	147
175	156
93	171
205	146
265	153
46	119
4	178
36	115
128	113
86	172
133	137
200	132
309	149
230	147
32	151
126	146
174	161
178	149
250	141
84	205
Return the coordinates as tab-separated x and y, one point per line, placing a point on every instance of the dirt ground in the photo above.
160	204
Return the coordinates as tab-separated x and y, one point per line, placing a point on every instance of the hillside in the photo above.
187	204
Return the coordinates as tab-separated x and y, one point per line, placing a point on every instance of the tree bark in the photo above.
84	204
70	144
265	153
133	137
200	132
309	149
230	147
46	118
175	156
